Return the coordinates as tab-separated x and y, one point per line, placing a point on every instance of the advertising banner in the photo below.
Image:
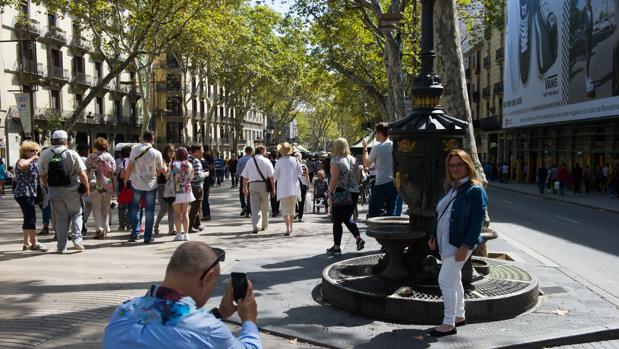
561	61
24	111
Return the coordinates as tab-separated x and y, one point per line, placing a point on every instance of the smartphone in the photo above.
239	285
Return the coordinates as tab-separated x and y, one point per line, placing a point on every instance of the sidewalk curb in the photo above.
550	198
574	337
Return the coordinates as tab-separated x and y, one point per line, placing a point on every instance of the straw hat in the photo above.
285	148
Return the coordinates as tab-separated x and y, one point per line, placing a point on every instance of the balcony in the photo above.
134	91
55	35
29	71
27	27
116	87
487	62
96	80
491	123
79	43
82	79
499	54
485	92
498	88
58	73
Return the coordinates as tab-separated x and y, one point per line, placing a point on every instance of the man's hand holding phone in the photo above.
246	306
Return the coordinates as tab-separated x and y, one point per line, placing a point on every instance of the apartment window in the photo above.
55	100
51	20
194	107
78	64
78	99
174	132
487	108
118	110
221	113
56	58
173	105
202	108
99	105
134	112
98	70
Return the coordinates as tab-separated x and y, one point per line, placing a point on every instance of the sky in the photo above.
279	5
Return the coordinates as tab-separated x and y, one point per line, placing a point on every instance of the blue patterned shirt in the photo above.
166	318
26	182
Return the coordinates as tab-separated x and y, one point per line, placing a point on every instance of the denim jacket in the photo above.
467	216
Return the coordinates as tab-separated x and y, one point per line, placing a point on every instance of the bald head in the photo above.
191	258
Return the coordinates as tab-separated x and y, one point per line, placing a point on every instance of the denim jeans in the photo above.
134	212
46	212
383	196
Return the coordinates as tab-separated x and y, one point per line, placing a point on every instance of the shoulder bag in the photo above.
268	182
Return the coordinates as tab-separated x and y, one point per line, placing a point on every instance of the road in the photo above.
583	241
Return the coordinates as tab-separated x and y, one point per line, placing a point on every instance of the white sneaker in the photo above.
179	237
78	246
186	237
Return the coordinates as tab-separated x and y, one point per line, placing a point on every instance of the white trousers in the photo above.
101	210
450	282
259	200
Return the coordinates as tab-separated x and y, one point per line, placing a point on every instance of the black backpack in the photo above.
58	175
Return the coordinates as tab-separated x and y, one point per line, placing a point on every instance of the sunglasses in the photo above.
221	256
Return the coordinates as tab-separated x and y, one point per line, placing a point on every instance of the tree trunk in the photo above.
393	62
455	102
450	67
143	79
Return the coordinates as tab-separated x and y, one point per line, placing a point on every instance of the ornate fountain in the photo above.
401	284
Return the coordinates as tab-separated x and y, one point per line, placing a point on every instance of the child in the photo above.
320	190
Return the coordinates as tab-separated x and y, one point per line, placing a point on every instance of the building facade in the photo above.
50	58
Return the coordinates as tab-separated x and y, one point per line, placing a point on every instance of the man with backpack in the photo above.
197	186
62	170
145	164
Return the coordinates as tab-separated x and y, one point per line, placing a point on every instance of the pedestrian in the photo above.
563	178
343	195
587	178
209	167
2	177
145	164
384	194
612	184
220	166
505	172
321	188
245	204
605	173
325	164
27	188
577	175
227	168
311	169
101	166
165	203
83	150
304	182
182	174
64	173
275	211
599	178
197	187
286	174
172	314
457	231
232	165
256	174
124	192
552	178
542	178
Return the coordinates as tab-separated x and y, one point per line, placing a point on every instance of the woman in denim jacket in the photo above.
457	231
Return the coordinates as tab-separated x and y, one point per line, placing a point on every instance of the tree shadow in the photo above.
408	338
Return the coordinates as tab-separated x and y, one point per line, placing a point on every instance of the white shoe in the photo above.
179	237
78	246
186	237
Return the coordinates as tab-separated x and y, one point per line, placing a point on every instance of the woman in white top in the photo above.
287	172
304	181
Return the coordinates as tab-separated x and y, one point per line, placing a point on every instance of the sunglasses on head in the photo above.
221	256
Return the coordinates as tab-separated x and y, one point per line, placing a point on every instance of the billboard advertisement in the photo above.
561	61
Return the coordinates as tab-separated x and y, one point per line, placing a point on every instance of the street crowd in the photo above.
147	185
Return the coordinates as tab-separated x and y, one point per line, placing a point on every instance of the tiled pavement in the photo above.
64	301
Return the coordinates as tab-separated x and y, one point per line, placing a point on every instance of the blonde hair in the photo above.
470	168
340	148
26	146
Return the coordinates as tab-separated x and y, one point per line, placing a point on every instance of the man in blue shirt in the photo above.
220	167
172	315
